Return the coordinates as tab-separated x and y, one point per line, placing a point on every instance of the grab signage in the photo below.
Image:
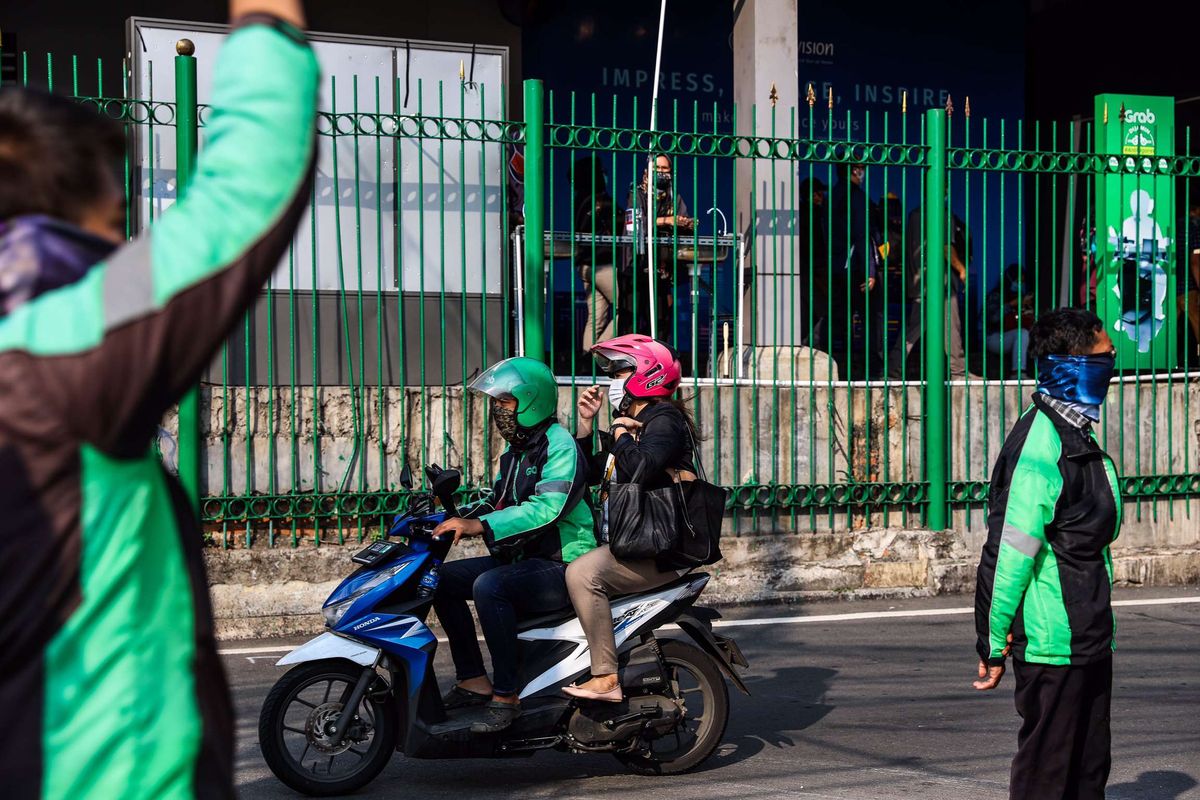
1135	228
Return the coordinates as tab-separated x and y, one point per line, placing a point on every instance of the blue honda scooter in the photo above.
366	687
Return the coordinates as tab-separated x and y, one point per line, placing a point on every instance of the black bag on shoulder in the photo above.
703	507
642	523
678	526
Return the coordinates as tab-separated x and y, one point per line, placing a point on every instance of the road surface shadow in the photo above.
1159	784
799	689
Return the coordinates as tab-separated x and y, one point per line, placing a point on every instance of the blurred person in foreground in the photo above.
1044	586
110	671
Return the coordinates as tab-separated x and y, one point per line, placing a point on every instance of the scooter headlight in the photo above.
335	611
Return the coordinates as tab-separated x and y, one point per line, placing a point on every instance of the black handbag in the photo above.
642	523
703	507
679	526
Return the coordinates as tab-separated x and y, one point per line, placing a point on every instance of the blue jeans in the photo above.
502	593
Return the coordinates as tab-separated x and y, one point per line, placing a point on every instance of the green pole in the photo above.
934	304
535	222
186	140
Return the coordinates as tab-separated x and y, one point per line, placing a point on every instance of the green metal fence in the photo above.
812	407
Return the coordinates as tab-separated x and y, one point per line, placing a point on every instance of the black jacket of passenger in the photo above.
663	442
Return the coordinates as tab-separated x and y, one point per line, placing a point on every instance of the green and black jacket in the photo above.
109	676
539	508
1046	570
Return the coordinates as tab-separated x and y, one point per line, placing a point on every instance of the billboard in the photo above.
1135	228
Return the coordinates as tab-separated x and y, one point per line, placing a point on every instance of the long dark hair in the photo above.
680	405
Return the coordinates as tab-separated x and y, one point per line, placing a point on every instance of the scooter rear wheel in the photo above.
698	683
295	719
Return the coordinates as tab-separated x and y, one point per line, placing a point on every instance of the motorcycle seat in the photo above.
550	620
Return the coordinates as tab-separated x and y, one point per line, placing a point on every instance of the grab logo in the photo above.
1141	117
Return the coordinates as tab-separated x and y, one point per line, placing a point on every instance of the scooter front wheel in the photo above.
297	718
699	688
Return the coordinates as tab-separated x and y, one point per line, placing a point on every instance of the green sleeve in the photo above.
1032	496
117	348
561	486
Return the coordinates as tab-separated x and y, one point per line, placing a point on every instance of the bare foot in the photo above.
480	685
600	684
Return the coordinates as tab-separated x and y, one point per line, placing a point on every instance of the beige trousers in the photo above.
591	579
601	315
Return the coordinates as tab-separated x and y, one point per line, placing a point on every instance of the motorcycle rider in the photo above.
109	666
652	432
535	523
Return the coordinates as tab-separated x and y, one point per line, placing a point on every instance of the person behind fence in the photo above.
958	256
596	215
671	220
1187	289
857	249
109	669
812	246
536	521
1009	316
651	439
1044	585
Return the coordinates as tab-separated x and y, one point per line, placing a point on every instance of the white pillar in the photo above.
766	87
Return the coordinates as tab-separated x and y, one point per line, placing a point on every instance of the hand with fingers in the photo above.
624	425
460	528
588	407
989	677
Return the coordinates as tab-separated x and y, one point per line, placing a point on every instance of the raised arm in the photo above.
120	346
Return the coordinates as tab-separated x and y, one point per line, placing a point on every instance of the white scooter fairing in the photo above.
631	614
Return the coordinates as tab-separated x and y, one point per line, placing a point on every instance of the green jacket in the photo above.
1045	574
539	508
109	667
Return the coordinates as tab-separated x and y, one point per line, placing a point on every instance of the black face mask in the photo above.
505	420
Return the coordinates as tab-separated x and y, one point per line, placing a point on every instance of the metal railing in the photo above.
428	253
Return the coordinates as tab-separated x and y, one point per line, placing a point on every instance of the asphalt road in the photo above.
856	709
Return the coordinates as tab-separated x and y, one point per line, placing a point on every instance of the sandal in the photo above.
497	717
459	697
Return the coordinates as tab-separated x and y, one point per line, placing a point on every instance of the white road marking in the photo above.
851	617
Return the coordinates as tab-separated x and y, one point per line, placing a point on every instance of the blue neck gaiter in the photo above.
1080	380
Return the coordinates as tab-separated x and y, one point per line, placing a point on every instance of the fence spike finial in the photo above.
1106	113
773	95
949	106
967	108
1121	115
831	97
462	71
904	102
811	96
185	47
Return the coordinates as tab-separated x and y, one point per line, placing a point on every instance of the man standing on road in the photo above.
109	674
1044	586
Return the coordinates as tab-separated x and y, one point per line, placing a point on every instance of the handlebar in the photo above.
445	482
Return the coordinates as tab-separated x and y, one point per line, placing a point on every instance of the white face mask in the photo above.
616	393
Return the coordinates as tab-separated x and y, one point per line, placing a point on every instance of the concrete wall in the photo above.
274	592
756	434
764	434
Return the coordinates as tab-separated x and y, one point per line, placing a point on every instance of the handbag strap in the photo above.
696	455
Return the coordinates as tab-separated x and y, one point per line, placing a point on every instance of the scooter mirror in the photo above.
445	484
406	478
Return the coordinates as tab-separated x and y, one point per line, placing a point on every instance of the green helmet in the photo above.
526	380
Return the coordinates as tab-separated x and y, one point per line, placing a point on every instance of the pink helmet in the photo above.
656	370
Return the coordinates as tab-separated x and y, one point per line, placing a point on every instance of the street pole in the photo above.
535	222
651	182
186	142
934	304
